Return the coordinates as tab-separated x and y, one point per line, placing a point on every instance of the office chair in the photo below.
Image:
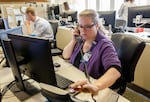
129	49
55	50
120	25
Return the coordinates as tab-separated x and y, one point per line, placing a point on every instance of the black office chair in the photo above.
120	25
55	50
129	49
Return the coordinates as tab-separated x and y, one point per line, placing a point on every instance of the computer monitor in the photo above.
10	56
51	10
2	25
109	17
56	10
35	57
17	30
133	12
73	16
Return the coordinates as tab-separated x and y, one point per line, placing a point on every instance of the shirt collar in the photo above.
37	19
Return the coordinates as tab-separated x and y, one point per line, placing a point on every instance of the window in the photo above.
141	2
78	5
92	4
104	5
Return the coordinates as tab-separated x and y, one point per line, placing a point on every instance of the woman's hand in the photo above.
85	86
75	33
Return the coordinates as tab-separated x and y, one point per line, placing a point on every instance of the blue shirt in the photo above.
42	28
103	56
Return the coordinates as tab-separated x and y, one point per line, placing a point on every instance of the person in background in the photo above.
42	28
67	9
96	50
123	11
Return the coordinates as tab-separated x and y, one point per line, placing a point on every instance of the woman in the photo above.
67	9
99	54
123	11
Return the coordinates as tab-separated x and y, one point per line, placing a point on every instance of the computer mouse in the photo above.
148	36
57	65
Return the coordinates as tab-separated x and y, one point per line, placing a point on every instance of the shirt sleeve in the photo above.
120	12
110	57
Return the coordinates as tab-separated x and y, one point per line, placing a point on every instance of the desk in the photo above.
66	70
142	35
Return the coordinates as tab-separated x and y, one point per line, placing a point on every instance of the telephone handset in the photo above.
78	36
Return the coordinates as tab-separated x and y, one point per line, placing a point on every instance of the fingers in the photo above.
78	84
84	86
76	31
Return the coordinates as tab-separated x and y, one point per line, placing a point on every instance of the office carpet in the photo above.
134	96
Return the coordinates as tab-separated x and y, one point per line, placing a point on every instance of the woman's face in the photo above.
88	29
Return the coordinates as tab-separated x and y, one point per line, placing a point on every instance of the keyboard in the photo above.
62	82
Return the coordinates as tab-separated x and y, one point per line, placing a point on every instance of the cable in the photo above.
141	24
5	89
86	72
93	98
85	68
1	59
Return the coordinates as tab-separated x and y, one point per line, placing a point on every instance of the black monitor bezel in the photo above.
138	10
48	74
109	17
2	24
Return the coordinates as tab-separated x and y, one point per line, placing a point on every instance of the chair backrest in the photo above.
54	27
120	23
129	49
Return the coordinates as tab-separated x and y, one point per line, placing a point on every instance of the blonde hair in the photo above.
95	18
30	10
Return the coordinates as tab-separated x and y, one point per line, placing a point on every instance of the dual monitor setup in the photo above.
29	56
137	17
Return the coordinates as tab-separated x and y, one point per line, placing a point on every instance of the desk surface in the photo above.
145	36
106	95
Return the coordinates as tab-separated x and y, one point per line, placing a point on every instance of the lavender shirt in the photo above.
103	57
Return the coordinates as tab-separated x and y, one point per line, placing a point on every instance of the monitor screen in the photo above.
138	10
109	17
2	25
34	56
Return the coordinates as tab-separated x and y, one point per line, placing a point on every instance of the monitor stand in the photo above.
29	90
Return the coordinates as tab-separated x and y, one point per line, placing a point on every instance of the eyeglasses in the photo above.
86	27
